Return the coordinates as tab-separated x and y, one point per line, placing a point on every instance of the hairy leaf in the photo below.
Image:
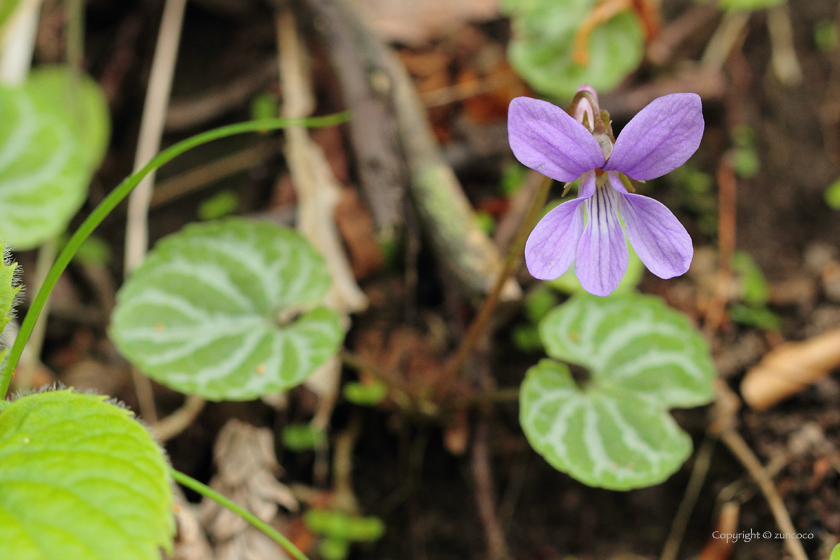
8	286
228	310
81	480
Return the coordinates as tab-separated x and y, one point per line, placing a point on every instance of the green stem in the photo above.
116	196
208	492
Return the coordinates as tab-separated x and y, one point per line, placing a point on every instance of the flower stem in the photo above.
112	200
512	261
208	492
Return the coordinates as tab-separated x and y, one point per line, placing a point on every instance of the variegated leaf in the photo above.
48	152
614	430
228	310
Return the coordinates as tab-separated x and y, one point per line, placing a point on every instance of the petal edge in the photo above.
546	139
660	138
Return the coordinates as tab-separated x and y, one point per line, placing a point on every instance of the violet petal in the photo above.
546	139
658	237
660	138
550	249
601	259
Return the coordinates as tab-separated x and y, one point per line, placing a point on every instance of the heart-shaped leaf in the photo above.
544	36
615	431
213	311
48	152
81	480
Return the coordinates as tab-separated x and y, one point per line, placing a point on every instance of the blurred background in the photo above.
428	83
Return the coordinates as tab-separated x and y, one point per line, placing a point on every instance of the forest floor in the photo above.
418	473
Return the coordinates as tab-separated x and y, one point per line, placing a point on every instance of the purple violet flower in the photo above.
660	138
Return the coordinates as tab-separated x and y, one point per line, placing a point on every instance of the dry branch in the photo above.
440	201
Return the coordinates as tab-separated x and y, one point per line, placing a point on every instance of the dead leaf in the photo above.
190	541
718	548
403	351
790	368
359	234
413	23
247	474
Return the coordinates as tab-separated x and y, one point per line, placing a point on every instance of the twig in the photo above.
360	364
441	204
744	488
76	35
18	42
727	187
204	175
317	188
783	54
186	113
692	492
485	313
516	481
662	48
485	494
151	130
508	394
460	92
745	455
177	422
505	232
343	493
729	34
356	59
148	144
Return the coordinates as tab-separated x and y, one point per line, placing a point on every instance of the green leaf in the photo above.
78	99
228	310
544	33
526	338
754	288
538	303
82	480
748	5
513	176
8	287
48	152
335	524
832	195
569	284
826	35
615	431
7	9
486	222
218	206
334	549
365	394
745	162
302	437
760	317
264	106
